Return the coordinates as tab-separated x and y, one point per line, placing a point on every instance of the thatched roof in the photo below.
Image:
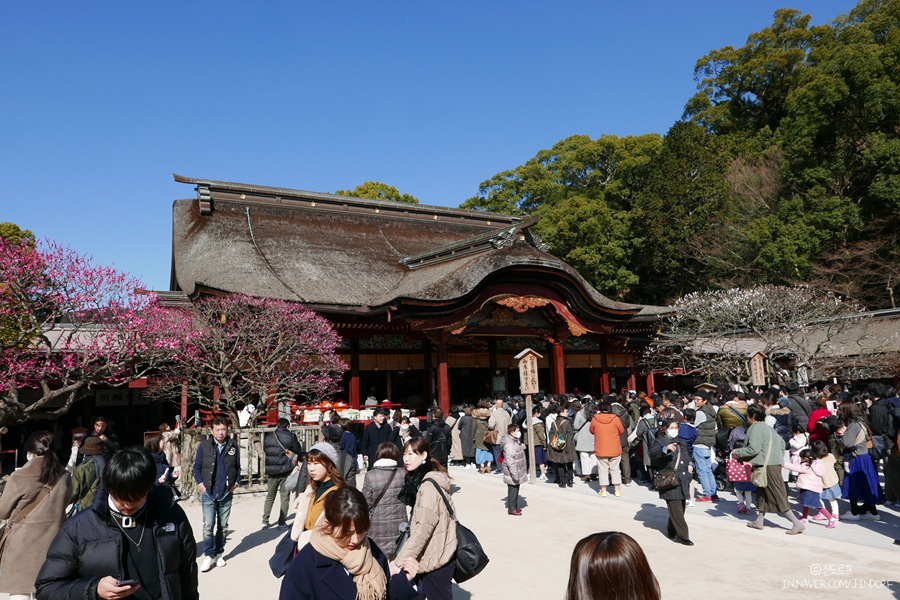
342	253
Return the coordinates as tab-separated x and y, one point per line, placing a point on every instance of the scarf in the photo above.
369	577
412	481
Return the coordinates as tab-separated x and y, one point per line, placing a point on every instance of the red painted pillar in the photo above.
354	374
651	384
632	382
443	379
272	413
184	403
604	383
559	369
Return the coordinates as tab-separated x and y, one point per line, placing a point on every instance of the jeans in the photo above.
496	449
276	486
704	470
215	514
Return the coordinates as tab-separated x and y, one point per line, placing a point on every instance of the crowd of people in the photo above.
395	536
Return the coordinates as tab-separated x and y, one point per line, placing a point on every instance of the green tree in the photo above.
746	88
378	191
13	233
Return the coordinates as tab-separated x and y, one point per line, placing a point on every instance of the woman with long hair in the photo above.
610	566
34	501
381	488
324	478
861	486
155	445
341	562
432	530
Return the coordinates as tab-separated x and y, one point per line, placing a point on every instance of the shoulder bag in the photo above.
284	554
758	475
7	529
557	438
381	495
491	436
470	556
668	480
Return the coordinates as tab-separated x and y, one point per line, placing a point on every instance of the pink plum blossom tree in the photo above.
253	349
67	324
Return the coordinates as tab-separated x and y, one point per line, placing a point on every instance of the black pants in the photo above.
677	526
512	497
861	509
565	474
626	465
438	584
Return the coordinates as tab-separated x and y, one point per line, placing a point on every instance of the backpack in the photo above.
557	439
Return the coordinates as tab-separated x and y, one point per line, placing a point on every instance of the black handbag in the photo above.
284	554
470	556
667	480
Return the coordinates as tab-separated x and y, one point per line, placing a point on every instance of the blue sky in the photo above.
101	102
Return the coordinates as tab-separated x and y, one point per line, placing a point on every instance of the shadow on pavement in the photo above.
653	517
257	538
460	594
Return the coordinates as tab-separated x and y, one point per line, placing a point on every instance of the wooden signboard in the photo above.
528	385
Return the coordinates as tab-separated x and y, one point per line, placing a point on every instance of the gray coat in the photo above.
584	439
390	511
515	470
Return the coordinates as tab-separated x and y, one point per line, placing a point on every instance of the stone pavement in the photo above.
530	554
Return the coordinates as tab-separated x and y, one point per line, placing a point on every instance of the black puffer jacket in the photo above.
277	462
438	435
89	548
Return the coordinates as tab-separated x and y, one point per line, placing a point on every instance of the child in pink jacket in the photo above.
811	470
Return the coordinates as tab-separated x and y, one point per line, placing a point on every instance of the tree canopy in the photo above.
784	169
378	191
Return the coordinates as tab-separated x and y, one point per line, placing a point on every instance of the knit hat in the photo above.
328	450
91	446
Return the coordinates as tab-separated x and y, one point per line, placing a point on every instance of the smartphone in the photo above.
126	582
832	406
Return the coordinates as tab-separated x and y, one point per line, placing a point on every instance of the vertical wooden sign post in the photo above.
528	385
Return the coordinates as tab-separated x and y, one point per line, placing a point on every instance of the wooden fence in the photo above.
253	458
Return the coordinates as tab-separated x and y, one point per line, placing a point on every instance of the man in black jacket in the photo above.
282	450
439	436
134	541
375	433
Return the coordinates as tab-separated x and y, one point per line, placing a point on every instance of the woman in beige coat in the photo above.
432	529
42	487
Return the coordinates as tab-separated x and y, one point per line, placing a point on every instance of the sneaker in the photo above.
265	526
689	503
831	523
848	516
603	493
740	508
819	517
208	562
714	497
284	527
704	499
869	517
618	493
220	560
802	519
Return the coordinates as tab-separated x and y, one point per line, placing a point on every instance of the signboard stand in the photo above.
528	385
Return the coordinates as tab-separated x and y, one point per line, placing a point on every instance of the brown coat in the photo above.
432	533
27	544
455	441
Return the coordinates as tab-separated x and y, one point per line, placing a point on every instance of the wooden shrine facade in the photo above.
432	303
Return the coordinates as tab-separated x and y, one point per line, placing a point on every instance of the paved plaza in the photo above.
530	554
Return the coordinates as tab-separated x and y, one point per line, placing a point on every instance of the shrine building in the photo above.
432	303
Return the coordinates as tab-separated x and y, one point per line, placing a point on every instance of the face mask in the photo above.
517	434
672	433
404	428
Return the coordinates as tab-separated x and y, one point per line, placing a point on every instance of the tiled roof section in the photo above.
351	253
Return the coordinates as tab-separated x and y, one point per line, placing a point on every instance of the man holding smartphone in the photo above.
134	541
